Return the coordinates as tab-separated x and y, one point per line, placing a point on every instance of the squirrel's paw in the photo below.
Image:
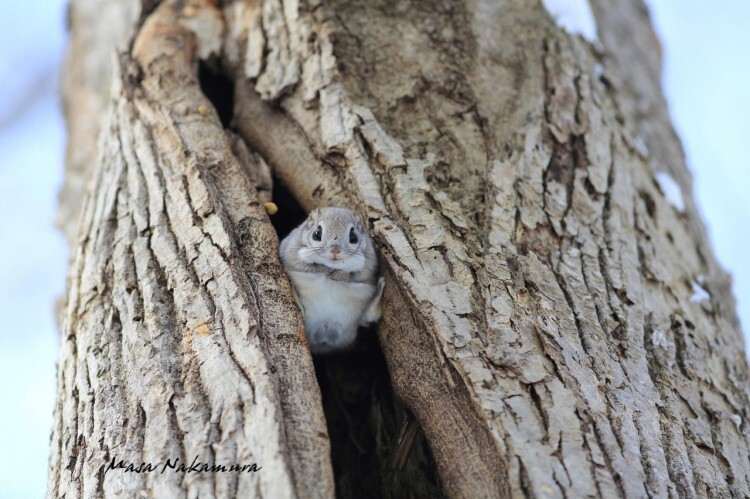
374	310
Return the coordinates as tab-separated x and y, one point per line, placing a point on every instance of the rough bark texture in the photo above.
96	29
556	325
180	337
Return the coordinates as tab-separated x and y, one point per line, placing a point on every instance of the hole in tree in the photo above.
290	214
218	89
364	418
362	413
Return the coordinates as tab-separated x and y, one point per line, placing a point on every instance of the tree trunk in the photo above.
554	317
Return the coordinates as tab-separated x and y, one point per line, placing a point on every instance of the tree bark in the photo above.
553	315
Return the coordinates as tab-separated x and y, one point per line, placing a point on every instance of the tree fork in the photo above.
539	319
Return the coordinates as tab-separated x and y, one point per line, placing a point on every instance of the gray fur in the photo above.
337	293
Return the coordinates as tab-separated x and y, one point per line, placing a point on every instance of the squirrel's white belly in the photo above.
332	309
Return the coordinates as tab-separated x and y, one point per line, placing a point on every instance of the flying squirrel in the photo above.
332	264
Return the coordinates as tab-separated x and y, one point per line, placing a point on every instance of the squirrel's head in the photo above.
336	238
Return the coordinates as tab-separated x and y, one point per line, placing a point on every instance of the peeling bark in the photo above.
540	320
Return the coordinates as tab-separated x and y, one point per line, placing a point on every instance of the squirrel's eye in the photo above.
352	236
318	233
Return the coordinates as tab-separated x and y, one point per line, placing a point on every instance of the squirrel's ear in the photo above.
315	213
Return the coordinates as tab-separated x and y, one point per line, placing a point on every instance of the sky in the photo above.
706	51
33	254
706	48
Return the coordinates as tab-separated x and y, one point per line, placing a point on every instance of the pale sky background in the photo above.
707	45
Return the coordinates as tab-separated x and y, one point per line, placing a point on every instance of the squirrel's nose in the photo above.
335	250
